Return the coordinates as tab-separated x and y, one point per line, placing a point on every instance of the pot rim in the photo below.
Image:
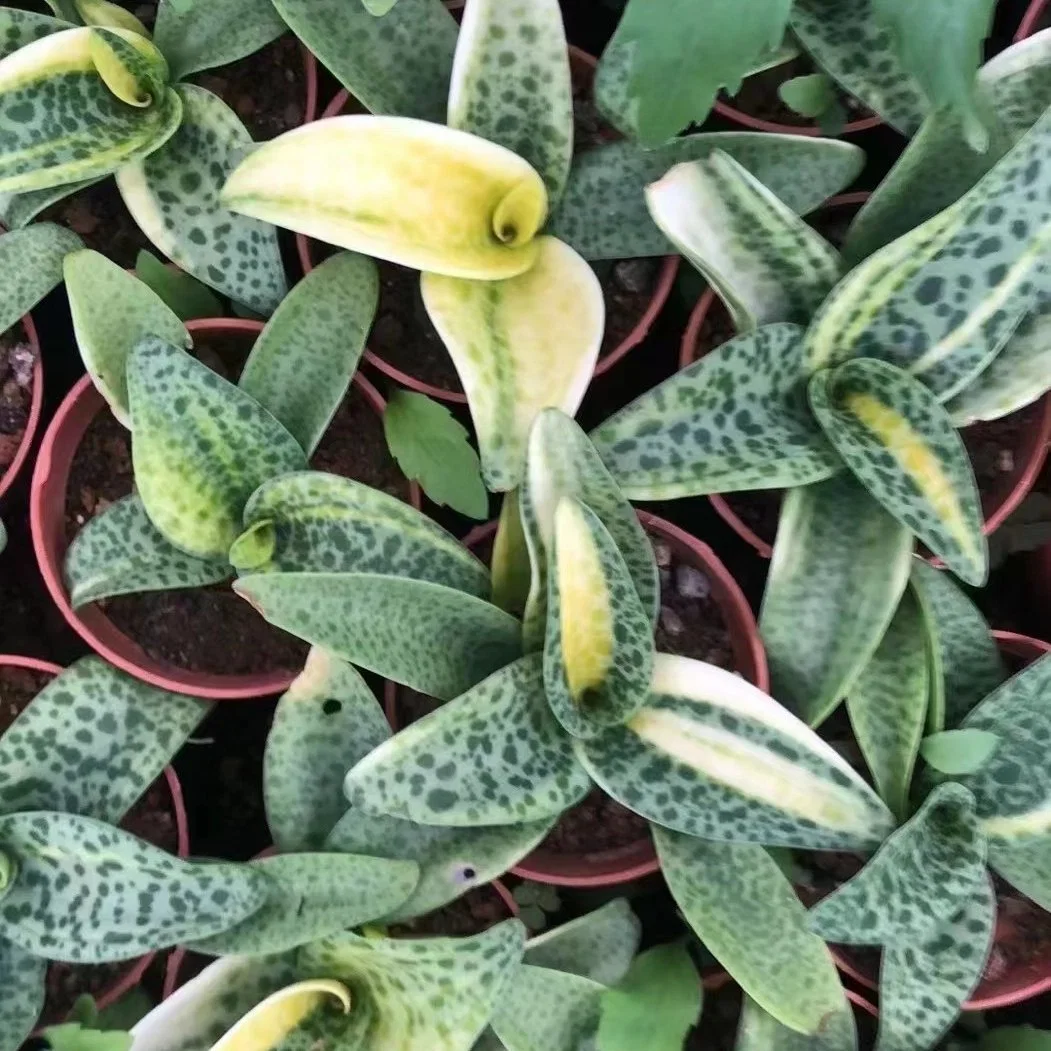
737	116
1027	27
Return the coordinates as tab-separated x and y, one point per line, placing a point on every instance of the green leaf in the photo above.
1015	1038
173	195
544	1010
511	84
303	361
72	1036
19	28
62	904
431	638
901	445
91	742
655	1006
120	552
916	882
184	295
811	95
325	722
684	53
32	263
520	346
451	860
740	905
313	896
763	261
196	36
509	562
712	756
923	985
850	45
309	519
22	979
759	1031
957	752
887	704
132	1007
831	592
734	420
494	756
433	448
112	310
109	15
965	660
942	48
399	65
20	209
603	212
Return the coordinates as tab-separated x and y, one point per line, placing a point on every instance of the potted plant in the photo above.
298	371
168	142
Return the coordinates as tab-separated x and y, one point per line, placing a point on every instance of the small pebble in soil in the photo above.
690	582
662	553
634	275
671	622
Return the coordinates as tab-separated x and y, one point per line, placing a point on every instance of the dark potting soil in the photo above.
994	448
17	359
717	1029
98	214
759	509
18	686
596	824
477	911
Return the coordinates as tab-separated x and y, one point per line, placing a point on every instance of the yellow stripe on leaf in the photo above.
269	1023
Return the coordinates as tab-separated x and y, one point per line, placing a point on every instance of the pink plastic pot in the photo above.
636	860
35	405
47	522
135	968
1031	19
746	120
1011	988
583	67
998	505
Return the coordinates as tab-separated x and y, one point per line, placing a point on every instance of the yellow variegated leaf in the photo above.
520	345
404	190
110	15
267	1025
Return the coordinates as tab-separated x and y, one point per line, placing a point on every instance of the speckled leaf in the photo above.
831	592
763	261
399	65
746	912
494	756
451	860
112	310
22	979
89	893
917	880
562	462
61	123
312	896
887	703
202	36
520	345
303	361
1026	865
120	552
91	742
859	52
173	194
736	419
599	945
759	1031
326	522
965	662
902	446
509	561
544	1010
598	653
31	261
938	166
20	209
202	447
407	191
432	638
19	28
715	757
603	212
511	84
924	984
941	300
325	722
1018	375
431	994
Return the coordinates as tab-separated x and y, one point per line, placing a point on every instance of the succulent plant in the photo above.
90	94
493	208
202	446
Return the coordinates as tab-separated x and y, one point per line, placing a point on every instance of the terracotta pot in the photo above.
1011	988
35	405
1031	19
135	968
998	506
47	521
746	120
583	66
636	860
